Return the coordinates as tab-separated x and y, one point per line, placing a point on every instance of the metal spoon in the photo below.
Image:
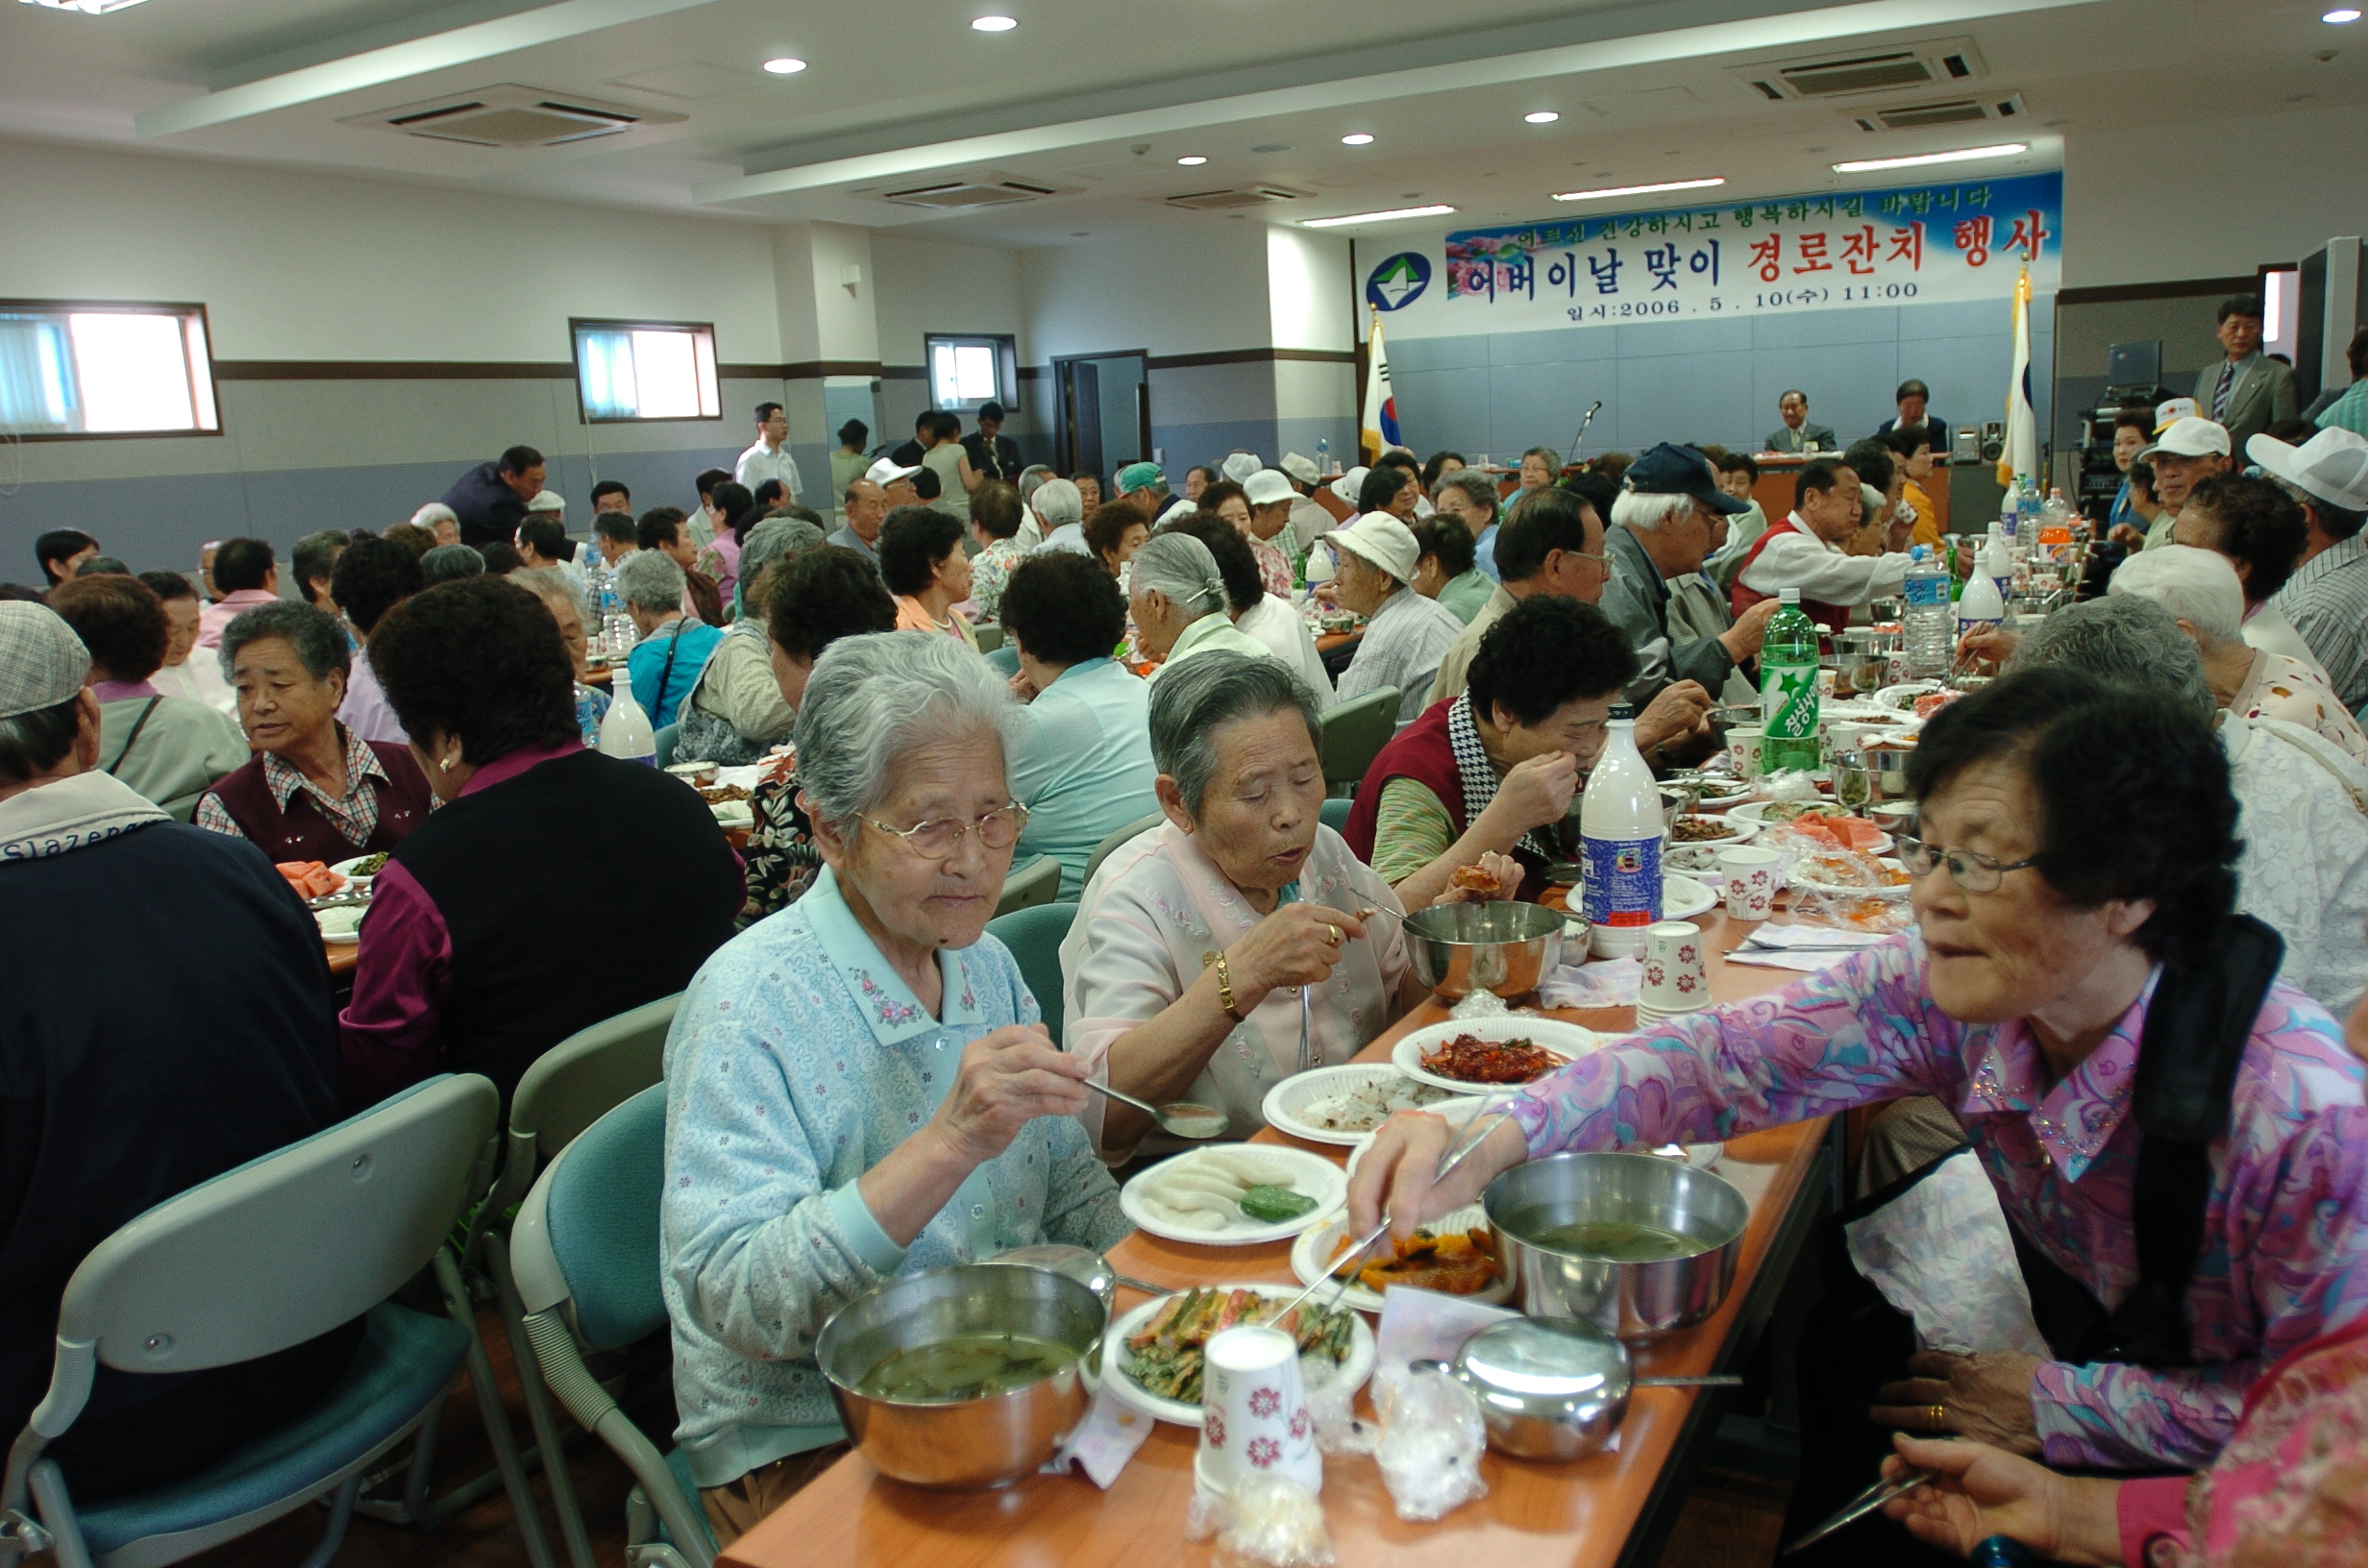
1181	1118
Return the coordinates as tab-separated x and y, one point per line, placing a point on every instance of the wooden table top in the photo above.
1582	1513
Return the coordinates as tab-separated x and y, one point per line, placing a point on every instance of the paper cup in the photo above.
1751	881
1254	1419
1676	976
1744	744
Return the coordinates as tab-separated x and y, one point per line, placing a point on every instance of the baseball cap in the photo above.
886	471
2178	408
1670	470
1384	541
1267	486
1301	469
2333	465
1240	466
547	500
42	663
1136	476
2188	437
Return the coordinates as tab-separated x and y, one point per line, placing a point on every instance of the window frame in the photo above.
575	352
1006	345
182	310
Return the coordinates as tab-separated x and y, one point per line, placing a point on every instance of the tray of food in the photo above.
1151	1355
1234	1195
1454	1255
1475	1055
1341	1105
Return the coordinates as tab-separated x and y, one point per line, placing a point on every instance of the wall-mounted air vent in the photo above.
511	115
1863	70
1225	201
1949	111
961	195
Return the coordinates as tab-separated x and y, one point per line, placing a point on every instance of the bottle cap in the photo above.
1787	596
1920	553
1622	711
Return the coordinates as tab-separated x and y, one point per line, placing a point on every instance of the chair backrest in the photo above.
1005	659
289	1247
990	638
588	1074
666	737
1034	937
1038	882
1334	812
588	1231
1134	829
1355	731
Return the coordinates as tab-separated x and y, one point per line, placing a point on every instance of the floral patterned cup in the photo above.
1254	1418
1676	978
1751	882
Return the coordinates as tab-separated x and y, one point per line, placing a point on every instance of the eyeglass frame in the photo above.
1018	813
1906	846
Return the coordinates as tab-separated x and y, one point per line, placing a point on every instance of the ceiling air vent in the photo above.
961	195
1225	201
511	115
1866	70
1952	111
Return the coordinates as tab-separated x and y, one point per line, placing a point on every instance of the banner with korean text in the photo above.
1914	244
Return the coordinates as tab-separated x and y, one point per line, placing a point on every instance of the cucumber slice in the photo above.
1274	1205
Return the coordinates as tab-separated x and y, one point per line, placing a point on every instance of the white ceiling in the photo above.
1100	99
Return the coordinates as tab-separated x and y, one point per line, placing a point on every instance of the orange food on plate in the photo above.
1457	1263
310	878
1467	1058
1932	702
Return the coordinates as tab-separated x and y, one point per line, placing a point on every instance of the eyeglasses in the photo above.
1970	870
938	838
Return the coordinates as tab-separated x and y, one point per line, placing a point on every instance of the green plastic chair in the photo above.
1334	812
990	639
666	737
1005	659
1132	830
1034	937
1354	732
1038	882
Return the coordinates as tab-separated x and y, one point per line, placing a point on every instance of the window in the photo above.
71	369
969	369
628	370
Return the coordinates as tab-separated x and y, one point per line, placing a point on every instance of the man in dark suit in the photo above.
1796	433
2245	393
1912	400
992	455
490	499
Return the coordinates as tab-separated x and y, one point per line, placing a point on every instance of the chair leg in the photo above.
512	1468
340	1515
495	1253
57	1516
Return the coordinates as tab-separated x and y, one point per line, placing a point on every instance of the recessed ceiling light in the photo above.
1357	138
1192	160
1541	116
2342	13
1636	190
1867	165
994	24
1430	211
786	66
88	7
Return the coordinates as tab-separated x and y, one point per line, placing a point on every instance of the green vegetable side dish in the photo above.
1272	1205
368	866
1164	1355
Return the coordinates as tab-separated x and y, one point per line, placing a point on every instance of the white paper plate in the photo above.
342	925
1300	1091
1901	698
1744	829
733	812
1458	1114
1358	1367
345	868
1682	898
1838	890
1565	1040
1310	1251
1312	1174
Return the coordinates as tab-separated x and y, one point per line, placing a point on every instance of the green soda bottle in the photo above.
1789	688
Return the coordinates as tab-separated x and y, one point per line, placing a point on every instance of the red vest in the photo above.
301	833
1834	617
1422	752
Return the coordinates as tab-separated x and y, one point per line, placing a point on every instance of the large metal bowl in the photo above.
962	1445
1635	1301
1503	947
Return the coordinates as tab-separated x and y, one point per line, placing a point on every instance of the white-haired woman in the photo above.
2204	593
1059	508
860	1086
1241	942
564	598
665	664
1176	598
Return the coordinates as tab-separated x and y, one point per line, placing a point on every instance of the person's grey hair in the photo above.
650	580
550	582
318	636
1477	488
1871	503
1034	478
1058	501
1200	696
1553	458
1631	510
871	699
2197	586
2120	638
770	540
434	512
1180	567
449	563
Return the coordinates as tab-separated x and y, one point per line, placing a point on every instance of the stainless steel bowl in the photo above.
1554	1387
972	1444
1635	1301
1503	947
1083	1265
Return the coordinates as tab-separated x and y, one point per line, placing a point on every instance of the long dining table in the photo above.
1614	1508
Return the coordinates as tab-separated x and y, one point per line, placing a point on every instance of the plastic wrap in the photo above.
1430	1446
1268	1520
1941	1253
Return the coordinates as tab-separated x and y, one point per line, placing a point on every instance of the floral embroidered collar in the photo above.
2074	1120
887	1003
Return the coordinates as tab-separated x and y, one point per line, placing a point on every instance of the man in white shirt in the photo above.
1407	635
769	459
1803	551
1309	521
2327	598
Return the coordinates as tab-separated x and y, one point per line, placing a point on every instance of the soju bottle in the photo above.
1789	688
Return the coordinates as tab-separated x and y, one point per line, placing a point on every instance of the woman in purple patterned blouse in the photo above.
2076	838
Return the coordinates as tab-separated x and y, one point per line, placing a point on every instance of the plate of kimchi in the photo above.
1483	1055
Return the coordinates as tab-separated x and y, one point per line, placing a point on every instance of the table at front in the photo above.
1614	1508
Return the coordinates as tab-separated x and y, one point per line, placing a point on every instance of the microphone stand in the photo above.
1579	440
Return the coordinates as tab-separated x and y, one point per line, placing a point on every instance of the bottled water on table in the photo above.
1789	688
1930	625
1620	832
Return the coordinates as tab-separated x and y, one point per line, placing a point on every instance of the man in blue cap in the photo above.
1666	521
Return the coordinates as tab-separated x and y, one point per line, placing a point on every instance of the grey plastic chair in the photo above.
1038	882
1034	937
666	737
586	1251
1354	732
1102	850
1334	812
259	1259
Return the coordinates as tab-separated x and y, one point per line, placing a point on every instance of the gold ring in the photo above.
1940	1417
1336	934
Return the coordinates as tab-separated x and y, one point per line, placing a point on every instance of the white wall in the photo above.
1173	294
2209	198
929	287
1310	296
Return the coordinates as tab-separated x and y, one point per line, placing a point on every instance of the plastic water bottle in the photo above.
625	731
1620	833
1323	455
1789	688
1929	629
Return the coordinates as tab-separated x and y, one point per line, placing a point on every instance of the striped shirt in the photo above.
2327	599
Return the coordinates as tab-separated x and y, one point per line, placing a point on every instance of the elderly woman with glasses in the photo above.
862	1086
1240	942
2177	1136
